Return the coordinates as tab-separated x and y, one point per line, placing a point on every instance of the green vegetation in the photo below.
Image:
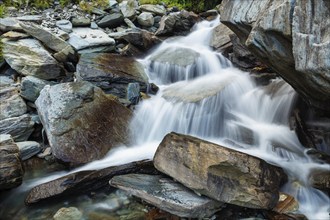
1	46
193	5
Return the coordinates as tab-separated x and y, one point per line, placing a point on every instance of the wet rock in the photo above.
9	24
64	25
167	195
128	8
81	122
142	39
80	22
178	23
133	93
320	179
19	55
286	204
14	35
288	39
220	39
11	171
31	87
70	213
222	174
154	9
176	56
12	104
64	50
87	39
28	149
146	19
85	181
111	21
20	128
111	72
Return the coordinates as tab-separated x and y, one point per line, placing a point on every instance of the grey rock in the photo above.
128	8
94	25
12	105
86	38
176	56
28	149
31	87
155	9
221	173
22	53
167	195
81	122
142	39
20	128
14	35
70	213
80	22
146	19
133	93
11	170
64	50
129	23
98	11
287	36
9	24
111	21
64	25
6	81
221	38
111	72
31	18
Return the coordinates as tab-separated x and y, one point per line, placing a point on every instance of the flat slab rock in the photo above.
167	195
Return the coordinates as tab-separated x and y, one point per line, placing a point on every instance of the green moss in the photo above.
190	5
2	11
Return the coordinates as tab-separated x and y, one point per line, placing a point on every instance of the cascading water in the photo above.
201	94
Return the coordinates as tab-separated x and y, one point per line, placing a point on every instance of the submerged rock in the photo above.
11	170
81	122
29	58
176	56
222	174
111	72
167	195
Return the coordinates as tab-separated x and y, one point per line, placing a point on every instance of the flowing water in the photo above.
210	99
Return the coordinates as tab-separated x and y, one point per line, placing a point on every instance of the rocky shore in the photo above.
70	82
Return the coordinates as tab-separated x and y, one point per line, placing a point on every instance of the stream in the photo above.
215	101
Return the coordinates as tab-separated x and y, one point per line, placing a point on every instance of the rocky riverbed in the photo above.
71	81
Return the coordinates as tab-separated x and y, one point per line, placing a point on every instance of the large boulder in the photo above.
142	39
222	174
11	170
28	57
111	72
220	39
289	36
167	195
81	122
182	57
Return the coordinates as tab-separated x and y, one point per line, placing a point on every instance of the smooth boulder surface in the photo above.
223	174
167	195
111	72
81	122
29	58
11	170
291	37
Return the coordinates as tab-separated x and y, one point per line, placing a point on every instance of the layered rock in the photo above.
12	104
31	87
20	128
222	174
289	36
81	122
167	195
111	72
11	170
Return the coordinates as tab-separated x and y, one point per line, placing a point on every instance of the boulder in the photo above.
64	25
167	195
80	22
9	24
289	37
81	122
28	149
111	21
128	8
111	72
87	40
154	9
220	39
11	170
12	104
142	39
84	181
286	204
320	179
177	23
182	57
146	19
20	128
14	35
31	87
70	213
64	51
29	57
223	174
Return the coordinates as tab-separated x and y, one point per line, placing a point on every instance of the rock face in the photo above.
81	122
218	172
289	36
28	57
11	171
167	195
111	72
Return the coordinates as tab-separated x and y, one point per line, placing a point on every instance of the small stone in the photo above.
28	149
146	19
45	153
71	213
94	25
80	22
64	25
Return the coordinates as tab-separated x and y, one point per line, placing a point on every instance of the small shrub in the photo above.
2	11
